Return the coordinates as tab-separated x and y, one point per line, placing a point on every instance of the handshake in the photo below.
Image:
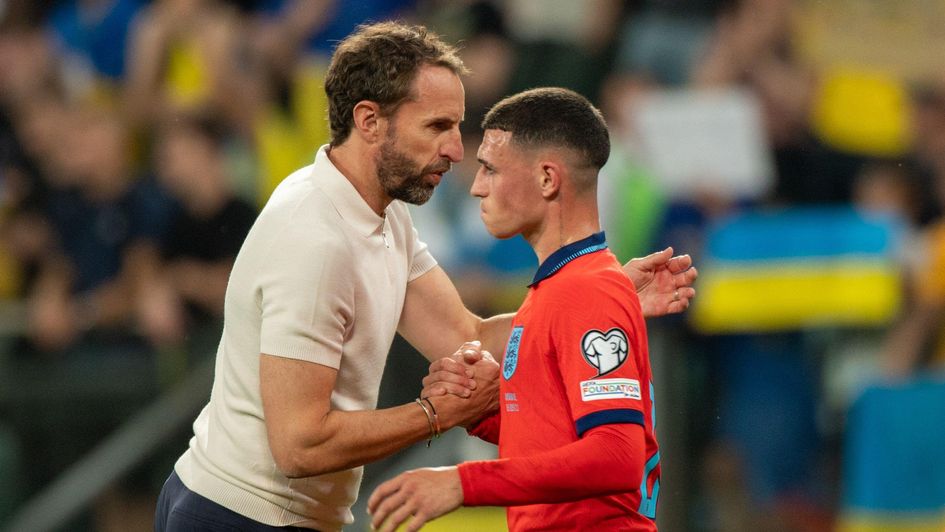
464	386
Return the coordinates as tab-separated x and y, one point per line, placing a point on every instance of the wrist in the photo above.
438	429
468	473
452	410
432	418
474	428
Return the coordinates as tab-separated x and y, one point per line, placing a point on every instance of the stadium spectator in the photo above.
90	37
205	235
188	55
916	342
104	219
290	26
561	43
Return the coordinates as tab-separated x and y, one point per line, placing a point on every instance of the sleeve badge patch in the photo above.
595	390
605	351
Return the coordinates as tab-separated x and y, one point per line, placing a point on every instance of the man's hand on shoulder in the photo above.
663	282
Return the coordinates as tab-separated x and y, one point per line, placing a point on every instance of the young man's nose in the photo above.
478	188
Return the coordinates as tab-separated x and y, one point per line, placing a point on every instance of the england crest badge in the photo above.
510	362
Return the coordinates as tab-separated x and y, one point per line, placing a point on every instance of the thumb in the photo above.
471	356
665	254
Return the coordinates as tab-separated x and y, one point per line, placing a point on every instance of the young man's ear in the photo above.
368	121
550	179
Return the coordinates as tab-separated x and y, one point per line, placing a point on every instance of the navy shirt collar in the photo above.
566	254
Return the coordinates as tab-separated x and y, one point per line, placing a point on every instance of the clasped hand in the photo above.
459	374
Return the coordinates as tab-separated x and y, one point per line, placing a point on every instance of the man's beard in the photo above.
401	178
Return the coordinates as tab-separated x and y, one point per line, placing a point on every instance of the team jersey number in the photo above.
648	497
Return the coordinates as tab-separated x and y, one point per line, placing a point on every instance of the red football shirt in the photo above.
575	381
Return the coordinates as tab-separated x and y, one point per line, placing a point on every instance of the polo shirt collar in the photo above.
345	197
566	254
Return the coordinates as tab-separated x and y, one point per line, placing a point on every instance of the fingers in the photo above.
391	506
440	389
450	365
389	519
685	296
400	515
419	519
471	352
684	292
448	376
488	356
686	277
454	374
486	360
449	370
679	264
658	258
382	492
386	500
487	368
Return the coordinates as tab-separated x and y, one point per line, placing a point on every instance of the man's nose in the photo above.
452	149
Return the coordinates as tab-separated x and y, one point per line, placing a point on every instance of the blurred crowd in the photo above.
138	139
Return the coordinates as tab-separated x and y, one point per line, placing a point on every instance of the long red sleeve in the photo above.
487	429
607	459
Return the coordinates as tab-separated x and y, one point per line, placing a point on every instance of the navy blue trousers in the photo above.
181	510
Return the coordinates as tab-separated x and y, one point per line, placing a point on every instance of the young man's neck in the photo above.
563	225
357	164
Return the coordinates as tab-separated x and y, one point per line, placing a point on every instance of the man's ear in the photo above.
368	121
550	179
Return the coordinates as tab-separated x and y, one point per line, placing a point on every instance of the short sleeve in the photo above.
306	295
418	253
597	344
421	261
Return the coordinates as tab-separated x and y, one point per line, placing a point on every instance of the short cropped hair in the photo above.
552	116
379	62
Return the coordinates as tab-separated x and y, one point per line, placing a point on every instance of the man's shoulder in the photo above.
301	180
587	285
299	198
299	216
596	271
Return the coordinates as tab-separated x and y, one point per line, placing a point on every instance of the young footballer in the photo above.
575	426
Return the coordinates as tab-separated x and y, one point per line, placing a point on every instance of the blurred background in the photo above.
795	148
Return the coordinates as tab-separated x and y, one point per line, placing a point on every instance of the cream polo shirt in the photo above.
322	278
